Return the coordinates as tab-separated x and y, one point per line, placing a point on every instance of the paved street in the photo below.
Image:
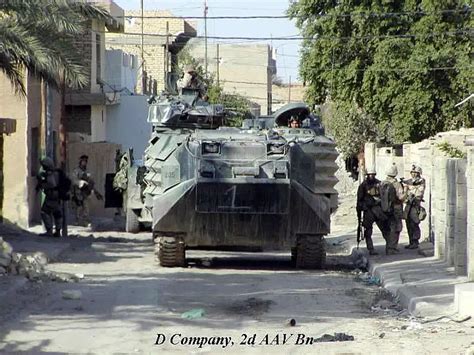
127	300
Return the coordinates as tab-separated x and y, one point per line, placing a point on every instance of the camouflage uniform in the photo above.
396	197
83	186
48	181
368	202
415	189
190	80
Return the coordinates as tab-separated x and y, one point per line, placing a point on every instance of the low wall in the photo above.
449	194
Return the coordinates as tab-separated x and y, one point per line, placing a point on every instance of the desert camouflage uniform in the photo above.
368	202
396	197
48	181
415	192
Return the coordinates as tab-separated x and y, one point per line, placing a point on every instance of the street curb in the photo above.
406	298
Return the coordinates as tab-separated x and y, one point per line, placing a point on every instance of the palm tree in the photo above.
38	35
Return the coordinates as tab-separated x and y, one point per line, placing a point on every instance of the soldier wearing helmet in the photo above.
83	187
48	182
368	203
191	80
393	195
415	189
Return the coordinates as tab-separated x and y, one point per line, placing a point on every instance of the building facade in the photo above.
23	147
245	69
163	39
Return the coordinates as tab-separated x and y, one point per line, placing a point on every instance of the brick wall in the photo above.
154	46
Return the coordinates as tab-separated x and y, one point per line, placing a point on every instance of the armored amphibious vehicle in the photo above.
263	186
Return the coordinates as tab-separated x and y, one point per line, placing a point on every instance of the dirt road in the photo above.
242	302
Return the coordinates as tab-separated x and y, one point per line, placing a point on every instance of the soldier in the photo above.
392	198
368	202
294	122
191	80
48	181
84	185
415	189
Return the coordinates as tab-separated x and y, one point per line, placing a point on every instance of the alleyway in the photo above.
127	300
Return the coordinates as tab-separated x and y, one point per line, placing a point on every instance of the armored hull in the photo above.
249	188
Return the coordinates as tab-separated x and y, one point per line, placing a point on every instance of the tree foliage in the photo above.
236	105
38	35
392	69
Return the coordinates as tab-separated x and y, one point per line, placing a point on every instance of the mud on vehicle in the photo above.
264	186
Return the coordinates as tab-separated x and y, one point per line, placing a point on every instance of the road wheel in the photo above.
132	225
310	252
171	251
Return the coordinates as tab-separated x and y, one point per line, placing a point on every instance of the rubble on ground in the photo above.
32	266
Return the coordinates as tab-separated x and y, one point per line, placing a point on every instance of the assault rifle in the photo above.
360	234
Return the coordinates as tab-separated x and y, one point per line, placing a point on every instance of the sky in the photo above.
287	51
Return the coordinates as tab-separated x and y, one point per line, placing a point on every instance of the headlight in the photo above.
211	148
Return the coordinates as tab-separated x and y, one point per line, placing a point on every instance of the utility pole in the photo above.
143	57
167	51
205	37
289	90
217	63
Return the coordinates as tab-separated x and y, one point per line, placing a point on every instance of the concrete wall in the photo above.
98	123
245	69
127	124
449	195
470	214
281	94
15	158
121	70
24	148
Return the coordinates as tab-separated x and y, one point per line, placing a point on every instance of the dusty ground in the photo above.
128	303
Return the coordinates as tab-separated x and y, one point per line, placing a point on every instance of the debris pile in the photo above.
32	266
335	337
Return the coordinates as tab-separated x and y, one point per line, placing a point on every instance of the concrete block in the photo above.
463	296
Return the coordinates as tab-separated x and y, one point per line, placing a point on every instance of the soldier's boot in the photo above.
369	242
48	224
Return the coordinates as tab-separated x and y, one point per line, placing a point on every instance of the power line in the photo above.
352	14
469	31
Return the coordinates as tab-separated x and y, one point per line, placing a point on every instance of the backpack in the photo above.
64	185
385	198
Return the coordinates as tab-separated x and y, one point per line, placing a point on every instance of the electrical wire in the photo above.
352	14
468	31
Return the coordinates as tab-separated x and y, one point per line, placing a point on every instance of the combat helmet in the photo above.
47	163
416	169
392	171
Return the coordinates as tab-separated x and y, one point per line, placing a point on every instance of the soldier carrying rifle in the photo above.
414	212
84	186
369	210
